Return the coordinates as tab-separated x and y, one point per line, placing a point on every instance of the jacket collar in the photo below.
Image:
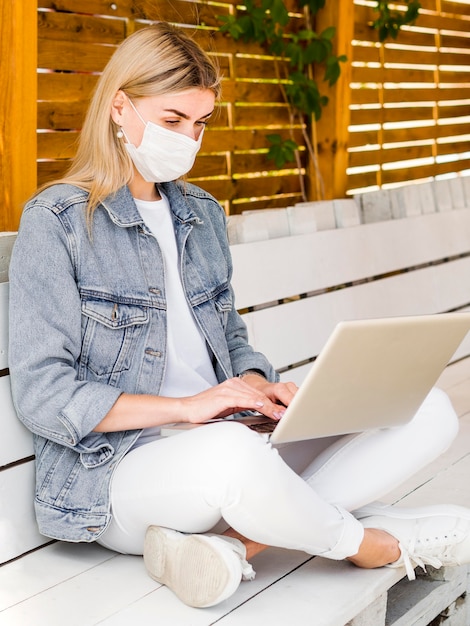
123	210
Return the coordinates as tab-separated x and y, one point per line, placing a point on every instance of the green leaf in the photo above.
279	12
328	33
281	151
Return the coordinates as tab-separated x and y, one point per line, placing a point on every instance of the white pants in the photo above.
193	480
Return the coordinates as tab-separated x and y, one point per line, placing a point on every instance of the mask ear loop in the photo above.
137	112
120	133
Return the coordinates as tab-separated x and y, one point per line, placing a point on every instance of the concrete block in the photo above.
375	206
246	228
405	201
466	189
322	212
347	213
457	193
301	219
443	195
427	198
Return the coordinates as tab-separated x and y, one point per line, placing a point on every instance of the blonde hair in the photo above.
155	60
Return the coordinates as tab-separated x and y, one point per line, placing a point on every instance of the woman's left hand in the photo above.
279	393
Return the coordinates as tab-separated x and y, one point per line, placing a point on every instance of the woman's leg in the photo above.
189	481
358	469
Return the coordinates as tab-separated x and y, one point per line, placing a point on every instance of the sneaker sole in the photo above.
190	567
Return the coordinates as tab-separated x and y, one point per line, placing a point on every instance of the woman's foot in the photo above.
202	570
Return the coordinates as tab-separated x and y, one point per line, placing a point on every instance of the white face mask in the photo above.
163	155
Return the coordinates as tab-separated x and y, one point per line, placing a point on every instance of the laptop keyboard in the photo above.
263	427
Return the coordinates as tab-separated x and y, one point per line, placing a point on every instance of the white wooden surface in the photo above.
90	585
333	257
307	323
3	325
6	244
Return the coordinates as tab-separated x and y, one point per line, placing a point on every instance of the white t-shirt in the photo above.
188	368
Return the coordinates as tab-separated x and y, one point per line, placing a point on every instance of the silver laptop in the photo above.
370	374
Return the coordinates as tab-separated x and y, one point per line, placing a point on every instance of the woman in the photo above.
123	319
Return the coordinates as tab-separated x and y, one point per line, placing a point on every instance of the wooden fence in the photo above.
398	112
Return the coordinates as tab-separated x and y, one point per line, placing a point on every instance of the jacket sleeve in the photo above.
45	336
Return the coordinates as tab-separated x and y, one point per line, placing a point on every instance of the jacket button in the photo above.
156	291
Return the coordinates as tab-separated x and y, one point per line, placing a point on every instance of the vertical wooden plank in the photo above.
331	132
18	89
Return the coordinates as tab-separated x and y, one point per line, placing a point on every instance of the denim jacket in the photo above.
88	322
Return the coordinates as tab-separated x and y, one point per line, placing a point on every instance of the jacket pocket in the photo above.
110	332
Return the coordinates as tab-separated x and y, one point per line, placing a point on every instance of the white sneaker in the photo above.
434	535
202	570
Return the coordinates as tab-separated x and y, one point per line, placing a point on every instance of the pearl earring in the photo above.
120	134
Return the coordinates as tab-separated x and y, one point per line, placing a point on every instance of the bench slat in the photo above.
266	271
18	529
16	441
307	323
115	588
6	244
3	325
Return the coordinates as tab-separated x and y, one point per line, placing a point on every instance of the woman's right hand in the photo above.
229	397
134	411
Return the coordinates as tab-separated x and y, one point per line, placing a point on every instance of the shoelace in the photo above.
411	560
248	573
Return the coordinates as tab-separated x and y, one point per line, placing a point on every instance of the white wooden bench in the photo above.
389	253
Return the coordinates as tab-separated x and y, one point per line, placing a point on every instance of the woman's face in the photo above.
186	112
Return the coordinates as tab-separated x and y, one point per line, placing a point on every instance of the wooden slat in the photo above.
16	442
397	114
254	67
18	529
251	162
60	86
51	170
72	56
458	145
278	115
123	8
209	165
372	250
61	145
250	204
6	244
67	115
307	323
241	139
266	186
392	75
180	11
79	28
117	588
421	172
371	157
3	325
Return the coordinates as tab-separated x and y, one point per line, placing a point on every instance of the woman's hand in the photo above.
252	392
